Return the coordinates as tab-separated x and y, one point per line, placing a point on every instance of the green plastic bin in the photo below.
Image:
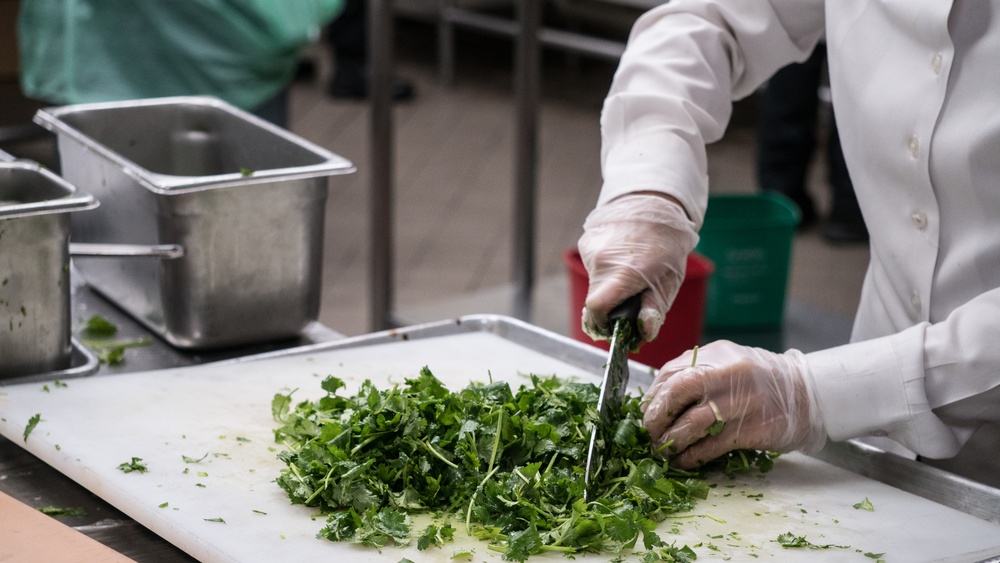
749	238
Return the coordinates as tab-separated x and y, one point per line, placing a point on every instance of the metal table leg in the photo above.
380	38
526	155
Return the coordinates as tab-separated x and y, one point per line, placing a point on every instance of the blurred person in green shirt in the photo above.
242	51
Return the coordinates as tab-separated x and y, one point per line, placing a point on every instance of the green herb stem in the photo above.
438	455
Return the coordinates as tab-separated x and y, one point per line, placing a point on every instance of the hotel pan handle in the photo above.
98	250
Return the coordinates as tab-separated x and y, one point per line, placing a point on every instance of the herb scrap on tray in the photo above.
505	466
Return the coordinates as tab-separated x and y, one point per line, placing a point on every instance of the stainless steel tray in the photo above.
83	362
934	484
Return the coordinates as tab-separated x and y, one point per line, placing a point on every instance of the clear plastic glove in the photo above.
632	244
735	397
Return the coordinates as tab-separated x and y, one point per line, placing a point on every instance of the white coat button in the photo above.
914	145
919	219
936	63
915	300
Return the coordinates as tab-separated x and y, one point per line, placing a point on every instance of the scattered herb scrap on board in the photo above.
505	466
32	423
790	540
136	465
865	505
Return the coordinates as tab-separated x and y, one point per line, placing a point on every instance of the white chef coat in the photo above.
916	86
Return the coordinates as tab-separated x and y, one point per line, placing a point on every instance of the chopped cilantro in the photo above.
865	505
135	465
716	427
112	352
98	327
790	540
56	511
508	464
435	536
32	423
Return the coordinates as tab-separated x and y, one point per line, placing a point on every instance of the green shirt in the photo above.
242	51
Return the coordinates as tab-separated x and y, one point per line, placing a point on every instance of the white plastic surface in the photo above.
223	413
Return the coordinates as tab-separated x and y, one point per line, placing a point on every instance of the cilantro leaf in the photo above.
790	540
279	406
99	327
136	465
865	505
716	427
32	423
522	544
57	511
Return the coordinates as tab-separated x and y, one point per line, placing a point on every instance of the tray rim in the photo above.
573	352
83	362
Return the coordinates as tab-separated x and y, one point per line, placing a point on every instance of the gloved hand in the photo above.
635	243
762	400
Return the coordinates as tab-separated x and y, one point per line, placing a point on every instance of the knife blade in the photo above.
625	335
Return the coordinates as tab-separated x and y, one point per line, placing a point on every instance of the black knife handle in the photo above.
628	311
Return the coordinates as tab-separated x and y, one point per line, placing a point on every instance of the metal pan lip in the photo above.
83	362
52	119
73	200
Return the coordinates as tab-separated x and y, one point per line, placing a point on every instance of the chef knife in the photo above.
624	336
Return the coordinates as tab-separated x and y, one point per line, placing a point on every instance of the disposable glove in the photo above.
735	397
632	244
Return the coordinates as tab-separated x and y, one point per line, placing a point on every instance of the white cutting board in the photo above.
94	424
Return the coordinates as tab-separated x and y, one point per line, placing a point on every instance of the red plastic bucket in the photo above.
681	329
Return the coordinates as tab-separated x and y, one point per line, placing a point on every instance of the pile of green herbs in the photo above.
507	466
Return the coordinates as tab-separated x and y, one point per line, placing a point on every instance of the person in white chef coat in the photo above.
915	86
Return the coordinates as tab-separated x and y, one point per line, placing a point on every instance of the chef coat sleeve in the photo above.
684	64
928	387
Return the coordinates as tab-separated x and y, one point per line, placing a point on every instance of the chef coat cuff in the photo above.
876	388
657	162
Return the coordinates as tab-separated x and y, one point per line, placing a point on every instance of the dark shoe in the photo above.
305	71
358	89
844	230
